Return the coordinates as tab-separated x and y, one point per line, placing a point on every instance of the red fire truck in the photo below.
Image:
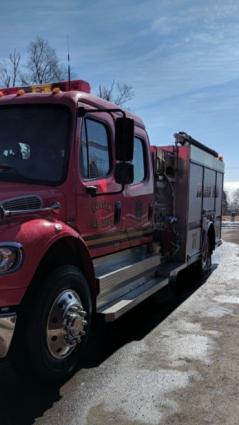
92	219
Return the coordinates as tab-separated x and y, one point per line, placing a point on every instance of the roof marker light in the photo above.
20	92
40	88
56	90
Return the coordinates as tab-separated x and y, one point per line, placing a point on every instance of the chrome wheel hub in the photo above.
66	324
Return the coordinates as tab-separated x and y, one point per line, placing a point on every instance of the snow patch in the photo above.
141	394
227	299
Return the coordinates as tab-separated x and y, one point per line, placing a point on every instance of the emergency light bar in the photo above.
78	85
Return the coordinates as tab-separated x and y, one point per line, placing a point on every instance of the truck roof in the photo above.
78	92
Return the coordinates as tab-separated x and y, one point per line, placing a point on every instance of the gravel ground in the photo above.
172	360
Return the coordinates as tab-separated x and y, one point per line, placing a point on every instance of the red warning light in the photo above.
64	86
78	85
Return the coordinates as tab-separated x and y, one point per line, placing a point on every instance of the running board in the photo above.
132	298
128	272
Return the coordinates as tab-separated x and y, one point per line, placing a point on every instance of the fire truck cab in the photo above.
92	218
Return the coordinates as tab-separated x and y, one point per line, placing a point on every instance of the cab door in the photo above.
140	193
100	201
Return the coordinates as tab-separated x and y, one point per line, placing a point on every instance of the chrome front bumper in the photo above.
7	327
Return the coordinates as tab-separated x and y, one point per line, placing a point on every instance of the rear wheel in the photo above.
52	334
206	259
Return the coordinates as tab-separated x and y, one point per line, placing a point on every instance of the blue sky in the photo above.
181	57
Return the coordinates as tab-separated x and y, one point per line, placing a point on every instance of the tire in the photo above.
51	334
206	259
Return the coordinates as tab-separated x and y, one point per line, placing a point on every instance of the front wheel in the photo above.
52	335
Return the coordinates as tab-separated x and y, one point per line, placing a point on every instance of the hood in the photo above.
24	198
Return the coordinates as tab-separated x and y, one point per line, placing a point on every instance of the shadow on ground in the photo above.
22	401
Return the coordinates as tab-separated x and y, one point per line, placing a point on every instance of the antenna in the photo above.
68	62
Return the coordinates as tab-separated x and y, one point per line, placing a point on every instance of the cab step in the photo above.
129	271
170	269
115	304
129	300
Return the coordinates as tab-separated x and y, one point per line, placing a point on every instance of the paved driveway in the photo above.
173	360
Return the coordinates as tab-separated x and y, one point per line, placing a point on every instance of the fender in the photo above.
38	237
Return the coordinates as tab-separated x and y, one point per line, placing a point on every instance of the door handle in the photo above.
92	190
117	215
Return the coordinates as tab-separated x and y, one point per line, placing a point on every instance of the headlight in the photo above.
10	257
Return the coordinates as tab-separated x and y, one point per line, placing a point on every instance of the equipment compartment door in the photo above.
218	205
194	210
209	189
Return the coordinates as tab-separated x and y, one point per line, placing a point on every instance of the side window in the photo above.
139	161
95	158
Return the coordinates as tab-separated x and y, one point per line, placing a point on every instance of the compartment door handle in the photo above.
117	215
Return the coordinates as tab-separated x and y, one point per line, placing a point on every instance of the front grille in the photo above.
31	202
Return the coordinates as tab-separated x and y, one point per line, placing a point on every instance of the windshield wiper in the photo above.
5	168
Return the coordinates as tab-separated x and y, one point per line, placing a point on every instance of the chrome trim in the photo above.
55	207
7	327
119	259
128	272
193	258
65	324
17	246
21	197
125	303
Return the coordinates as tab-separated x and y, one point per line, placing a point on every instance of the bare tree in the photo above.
43	64
224	202
235	199
118	93
10	69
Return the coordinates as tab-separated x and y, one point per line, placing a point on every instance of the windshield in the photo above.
34	143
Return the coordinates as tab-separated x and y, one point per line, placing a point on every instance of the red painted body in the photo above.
89	220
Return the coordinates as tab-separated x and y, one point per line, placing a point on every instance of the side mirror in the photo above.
124	139
124	173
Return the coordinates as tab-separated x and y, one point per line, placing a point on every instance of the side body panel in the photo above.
218	205
171	200
205	198
195	210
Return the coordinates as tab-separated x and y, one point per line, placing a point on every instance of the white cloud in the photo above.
230	188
